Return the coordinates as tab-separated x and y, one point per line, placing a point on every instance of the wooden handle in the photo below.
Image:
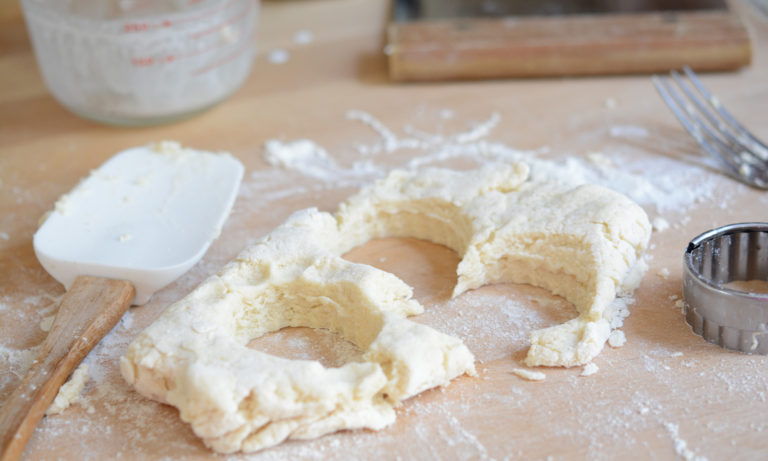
539	46
88	311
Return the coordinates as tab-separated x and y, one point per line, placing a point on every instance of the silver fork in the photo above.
739	153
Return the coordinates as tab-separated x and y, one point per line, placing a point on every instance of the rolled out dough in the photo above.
582	243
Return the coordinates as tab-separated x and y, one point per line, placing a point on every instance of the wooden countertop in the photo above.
666	394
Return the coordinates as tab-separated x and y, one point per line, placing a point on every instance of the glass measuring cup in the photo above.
141	62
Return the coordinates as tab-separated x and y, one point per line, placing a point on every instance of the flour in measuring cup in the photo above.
131	62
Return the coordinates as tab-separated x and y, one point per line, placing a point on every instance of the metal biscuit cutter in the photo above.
731	318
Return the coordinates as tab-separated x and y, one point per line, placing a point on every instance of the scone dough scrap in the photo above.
581	243
195	356
69	392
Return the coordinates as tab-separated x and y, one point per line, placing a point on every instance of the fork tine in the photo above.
751	155
715	127
696	129
753	144
738	152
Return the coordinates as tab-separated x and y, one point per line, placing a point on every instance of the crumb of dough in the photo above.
663	273
617	338
47	323
660	224
69	393
530	375
589	369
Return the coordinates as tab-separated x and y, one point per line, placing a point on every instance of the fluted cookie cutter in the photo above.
724	315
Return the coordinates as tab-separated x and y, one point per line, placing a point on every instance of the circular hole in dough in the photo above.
303	343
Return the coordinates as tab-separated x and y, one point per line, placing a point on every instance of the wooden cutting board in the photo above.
451	48
664	392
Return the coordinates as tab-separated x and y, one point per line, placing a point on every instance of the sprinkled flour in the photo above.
16	362
656	184
681	446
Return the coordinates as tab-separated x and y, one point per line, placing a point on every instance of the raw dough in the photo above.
530	375
70	391
589	369
195	355
617	338
582	243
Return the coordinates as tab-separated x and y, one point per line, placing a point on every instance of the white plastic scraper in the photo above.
134	225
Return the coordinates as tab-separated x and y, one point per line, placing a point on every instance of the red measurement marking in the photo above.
142	61
136	27
147	61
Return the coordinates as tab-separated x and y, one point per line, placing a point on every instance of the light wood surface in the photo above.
666	394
